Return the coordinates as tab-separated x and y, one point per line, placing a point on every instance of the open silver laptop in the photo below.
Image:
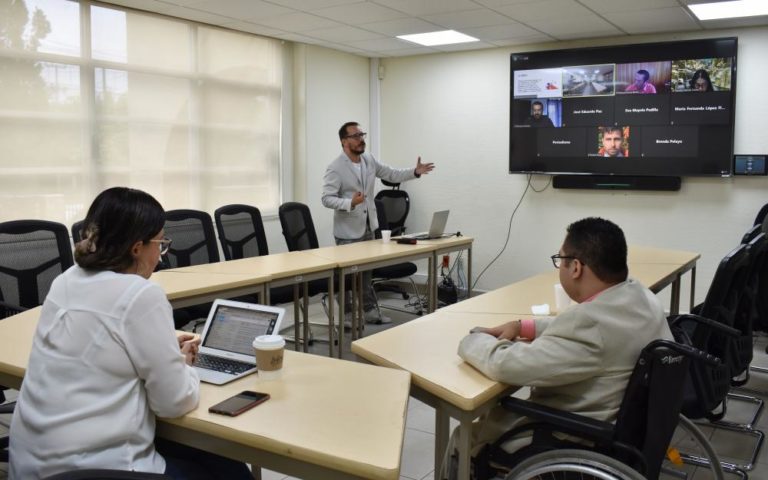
226	350
436	228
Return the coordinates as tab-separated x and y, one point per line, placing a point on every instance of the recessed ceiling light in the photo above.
431	39
733	9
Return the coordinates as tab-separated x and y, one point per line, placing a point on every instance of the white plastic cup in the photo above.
562	300
386	235
269	350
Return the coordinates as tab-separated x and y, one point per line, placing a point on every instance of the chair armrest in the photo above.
8	309
7	407
565	422
675	321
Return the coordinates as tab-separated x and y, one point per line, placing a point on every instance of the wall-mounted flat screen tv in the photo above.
661	109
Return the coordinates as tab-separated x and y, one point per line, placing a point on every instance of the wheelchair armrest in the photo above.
562	421
675	321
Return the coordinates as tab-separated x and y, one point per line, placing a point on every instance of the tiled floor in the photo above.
418	450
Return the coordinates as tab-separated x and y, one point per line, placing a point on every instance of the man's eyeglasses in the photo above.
165	244
557	257
357	136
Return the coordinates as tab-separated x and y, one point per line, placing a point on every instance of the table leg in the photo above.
469	271
442	426
693	288
341	311
360	306
432	283
296	317
674	304
464	448
256	472
330	317
305	316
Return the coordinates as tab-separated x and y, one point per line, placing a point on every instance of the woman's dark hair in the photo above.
118	218
701	73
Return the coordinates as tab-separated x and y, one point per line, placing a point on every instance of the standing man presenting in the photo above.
348	189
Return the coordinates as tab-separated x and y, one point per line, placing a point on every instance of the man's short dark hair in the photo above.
343	129
537	103
645	74
605	130
601	245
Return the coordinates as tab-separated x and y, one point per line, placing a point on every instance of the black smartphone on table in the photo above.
243	401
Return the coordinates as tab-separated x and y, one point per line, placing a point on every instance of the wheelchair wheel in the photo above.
572	464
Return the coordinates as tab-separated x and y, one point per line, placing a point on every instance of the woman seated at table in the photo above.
105	358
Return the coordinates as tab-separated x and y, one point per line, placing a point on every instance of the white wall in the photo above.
453	109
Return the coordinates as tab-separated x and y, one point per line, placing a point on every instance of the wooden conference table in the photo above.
355	258
326	419
426	347
275	270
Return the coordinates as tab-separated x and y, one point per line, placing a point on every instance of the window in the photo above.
187	112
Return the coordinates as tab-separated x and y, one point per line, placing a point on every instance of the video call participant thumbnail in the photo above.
614	141
537	117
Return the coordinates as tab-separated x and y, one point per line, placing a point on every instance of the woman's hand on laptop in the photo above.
189	345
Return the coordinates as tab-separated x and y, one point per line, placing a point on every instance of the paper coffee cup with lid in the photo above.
269	350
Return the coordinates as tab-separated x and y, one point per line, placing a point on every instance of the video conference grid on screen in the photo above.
648	112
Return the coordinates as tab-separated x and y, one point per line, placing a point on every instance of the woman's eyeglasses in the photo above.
165	244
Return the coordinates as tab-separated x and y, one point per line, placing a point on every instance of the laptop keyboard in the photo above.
220	364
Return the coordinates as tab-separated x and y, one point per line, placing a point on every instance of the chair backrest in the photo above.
77	231
298	227
652	400
241	231
754	301
721	305
194	241
382	218
32	254
396	205
762	218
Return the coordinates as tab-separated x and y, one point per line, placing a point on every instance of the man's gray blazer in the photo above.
342	180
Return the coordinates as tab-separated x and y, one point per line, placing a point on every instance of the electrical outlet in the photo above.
446	261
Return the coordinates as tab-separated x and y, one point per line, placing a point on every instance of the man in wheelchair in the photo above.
581	360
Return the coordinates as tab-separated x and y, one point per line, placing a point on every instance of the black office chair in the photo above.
645	423
393	272
241	235
717	330
77	231
299	233
193	243
103	474
397	204
762	218
32	254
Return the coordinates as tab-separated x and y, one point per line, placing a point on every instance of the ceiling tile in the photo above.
148	5
363	12
500	3
615	6
565	27
343	34
481	17
254	28
499	32
545	9
198	16
402	26
382	44
527	40
242	9
457	47
428	7
404	52
298	22
295	37
309	6
650	21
